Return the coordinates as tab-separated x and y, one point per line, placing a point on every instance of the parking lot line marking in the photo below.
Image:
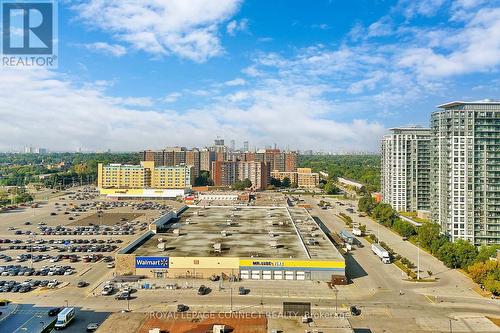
430	299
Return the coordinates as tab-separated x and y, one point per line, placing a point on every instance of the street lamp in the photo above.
66	302
43	326
418	261
336	291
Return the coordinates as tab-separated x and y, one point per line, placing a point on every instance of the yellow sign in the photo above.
254	262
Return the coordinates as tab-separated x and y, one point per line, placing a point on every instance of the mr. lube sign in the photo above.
151	262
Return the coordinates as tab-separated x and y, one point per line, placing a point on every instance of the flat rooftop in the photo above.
243	232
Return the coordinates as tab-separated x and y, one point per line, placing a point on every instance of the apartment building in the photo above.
256	172
206	159
405	167
306	178
303	177
124	175
179	177
193	159
465	170
144	176
224	173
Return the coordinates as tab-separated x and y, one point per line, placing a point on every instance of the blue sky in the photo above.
323	75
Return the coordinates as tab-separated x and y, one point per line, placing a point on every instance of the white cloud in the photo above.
115	50
475	48
277	111
235	26
172	97
236	82
411	8
188	29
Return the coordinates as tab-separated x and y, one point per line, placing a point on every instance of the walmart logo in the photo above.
151	262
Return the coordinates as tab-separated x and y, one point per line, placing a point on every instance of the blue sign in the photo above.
151	262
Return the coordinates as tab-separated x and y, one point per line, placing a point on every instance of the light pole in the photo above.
418	261
336	291
67	304
43	326
378	232
231	299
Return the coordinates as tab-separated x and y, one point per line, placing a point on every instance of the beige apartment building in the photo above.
303	177
145	175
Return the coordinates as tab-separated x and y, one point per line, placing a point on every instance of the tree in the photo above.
384	213
404	228
486	252
275	182
285	182
467	252
480	270
427	234
366	204
203	179
242	184
247	183
459	254
23	197
492	283
448	255
331	188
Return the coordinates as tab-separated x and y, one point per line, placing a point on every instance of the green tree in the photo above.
384	213
447	254
331	188
366	204
486	252
275	182
427	234
404	228
286	182
203	179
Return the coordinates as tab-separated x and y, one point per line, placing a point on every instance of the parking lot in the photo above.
69	239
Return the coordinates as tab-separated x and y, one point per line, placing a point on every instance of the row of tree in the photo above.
459	254
362	168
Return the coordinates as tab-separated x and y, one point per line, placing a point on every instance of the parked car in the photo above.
355	311
92	327
53	312
182	308
82	284
203	290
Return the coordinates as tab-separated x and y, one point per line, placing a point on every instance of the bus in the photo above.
64	318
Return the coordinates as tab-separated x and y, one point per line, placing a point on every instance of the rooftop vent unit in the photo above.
217	247
273	244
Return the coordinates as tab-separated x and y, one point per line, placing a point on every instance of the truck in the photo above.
382	253
347	236
64	318
357	232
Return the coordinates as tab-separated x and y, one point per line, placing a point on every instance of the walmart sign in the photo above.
151	262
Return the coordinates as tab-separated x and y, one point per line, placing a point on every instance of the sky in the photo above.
328	75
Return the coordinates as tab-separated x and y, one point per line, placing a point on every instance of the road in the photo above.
450	298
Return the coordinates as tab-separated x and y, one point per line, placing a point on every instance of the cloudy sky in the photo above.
323	75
